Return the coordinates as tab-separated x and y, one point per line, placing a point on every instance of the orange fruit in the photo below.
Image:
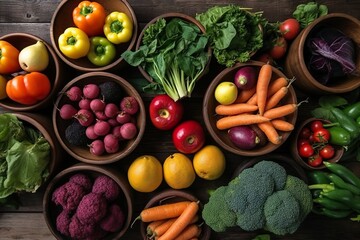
209	162
178	171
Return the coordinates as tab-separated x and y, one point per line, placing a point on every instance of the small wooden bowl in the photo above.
295	64
54	72
171	196
168	17
124	200
210	117
62	19
339	151
82	153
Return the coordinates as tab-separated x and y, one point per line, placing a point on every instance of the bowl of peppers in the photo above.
90	36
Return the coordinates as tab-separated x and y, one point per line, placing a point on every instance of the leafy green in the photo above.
24	157
234	33
306	13
174	54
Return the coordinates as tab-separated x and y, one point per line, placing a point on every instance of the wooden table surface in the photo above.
34	16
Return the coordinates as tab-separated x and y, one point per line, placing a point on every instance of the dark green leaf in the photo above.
323	113
332	101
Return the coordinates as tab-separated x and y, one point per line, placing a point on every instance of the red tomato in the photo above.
305	133
289	28
188	137
327	152
315	160
316	125
321	135
279	49
306	150
265	58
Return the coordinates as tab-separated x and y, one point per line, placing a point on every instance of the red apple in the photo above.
188	137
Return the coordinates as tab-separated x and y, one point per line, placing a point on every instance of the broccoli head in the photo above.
275	170
282	213
216	212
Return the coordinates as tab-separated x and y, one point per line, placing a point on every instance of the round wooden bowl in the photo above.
339	150
172	196
296	63
124	200
221	136
82	153
62	19
168	17
54	72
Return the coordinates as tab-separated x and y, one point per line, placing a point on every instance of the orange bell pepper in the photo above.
90	17
9	62
28	89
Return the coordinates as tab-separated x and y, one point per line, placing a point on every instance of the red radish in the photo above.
245	78
128	130
97	147
123	117
116	132
130	105
111	109
84	103
89	132
97	105
101	116
113	122
67	111
85	117
91	91
74	93
111	143
101	128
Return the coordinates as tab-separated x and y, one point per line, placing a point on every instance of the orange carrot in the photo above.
262	86
152	226
235	108
283	110
189	232
282	125
245	95
273	100
238	120
161	229
181	222
270	132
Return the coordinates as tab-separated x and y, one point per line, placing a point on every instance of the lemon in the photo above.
145	173
209	162
226	92
178	171
2	87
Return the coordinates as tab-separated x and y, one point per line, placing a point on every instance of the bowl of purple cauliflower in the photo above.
88	202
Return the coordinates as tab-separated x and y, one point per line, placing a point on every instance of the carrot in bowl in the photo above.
239	120
235	108
262	86
270	132
282	125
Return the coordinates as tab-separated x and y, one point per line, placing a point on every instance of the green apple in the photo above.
34	57
226	93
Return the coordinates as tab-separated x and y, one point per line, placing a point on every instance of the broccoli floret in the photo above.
216	213
276	171
246	196
299	189
282	213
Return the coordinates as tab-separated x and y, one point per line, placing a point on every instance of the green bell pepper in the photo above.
101	52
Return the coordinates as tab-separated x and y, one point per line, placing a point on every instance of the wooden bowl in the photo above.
339	150
296	63
54	72
124	200
82	153
171	196
168	17
62	19
221	136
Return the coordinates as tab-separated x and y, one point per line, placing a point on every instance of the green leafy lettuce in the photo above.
306	13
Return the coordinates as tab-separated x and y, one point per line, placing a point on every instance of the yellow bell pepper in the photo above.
118	27
74	43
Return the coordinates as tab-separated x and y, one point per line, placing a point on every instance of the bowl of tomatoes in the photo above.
315	142
91	36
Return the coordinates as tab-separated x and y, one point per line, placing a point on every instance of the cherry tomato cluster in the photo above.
313	143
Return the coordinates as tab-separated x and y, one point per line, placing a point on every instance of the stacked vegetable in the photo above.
260	197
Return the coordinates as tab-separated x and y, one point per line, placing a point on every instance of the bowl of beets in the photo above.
99	118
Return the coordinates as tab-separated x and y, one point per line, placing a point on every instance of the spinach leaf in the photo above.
306	13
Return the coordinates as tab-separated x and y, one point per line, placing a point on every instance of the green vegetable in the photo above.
318	177
346	122
339	182
339	136
340	195
330	204
346	174
24	157
356	219
234	32
335	213
262	237
308	12
276	172
174	54
352	110
101	51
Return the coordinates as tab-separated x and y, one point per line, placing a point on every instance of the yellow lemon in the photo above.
178	171
3	87
226	93
145	173
209	162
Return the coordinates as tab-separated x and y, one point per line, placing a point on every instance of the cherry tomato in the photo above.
305	133
289	28
306	150
321	135
316	125
315	160
302	141
279	49
327	152
265	58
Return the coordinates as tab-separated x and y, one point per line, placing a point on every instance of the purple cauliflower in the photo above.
91	209
62	222
114	219
68	195
79	230
107	187
82	180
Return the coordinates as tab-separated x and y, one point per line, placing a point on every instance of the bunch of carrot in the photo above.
172	221
260	105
